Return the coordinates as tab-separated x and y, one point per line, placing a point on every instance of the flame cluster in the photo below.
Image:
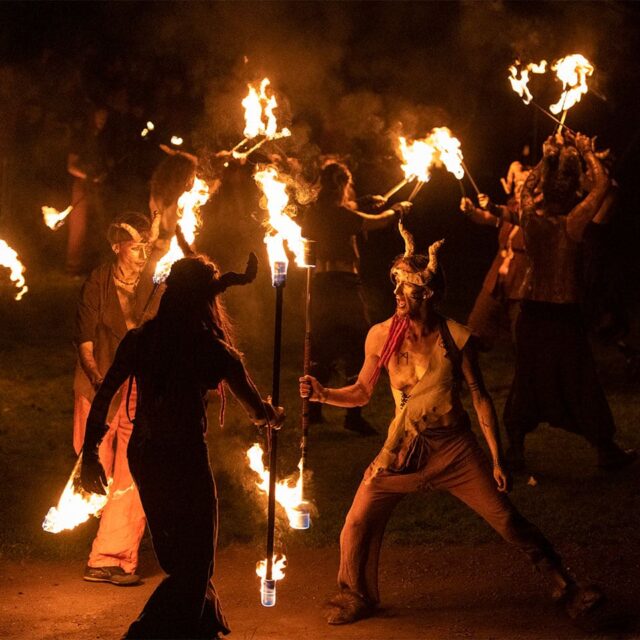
259	113
53	218
74	507
9	259
439	148
278	564
572	71
288	492
189	205
281	226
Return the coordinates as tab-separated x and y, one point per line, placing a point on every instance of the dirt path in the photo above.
432	594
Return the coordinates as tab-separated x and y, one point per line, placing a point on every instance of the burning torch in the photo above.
9	259
260	120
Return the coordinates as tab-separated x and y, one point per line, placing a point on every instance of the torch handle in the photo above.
273	450
395	189
471	180
560	123
415	191
306	370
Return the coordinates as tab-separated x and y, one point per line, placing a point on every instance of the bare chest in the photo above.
411	362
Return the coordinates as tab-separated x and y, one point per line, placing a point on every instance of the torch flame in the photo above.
150	127
259	115
9	259
189	205
572	71
282	226
176	140
521	84
288	492
53	218
74	507
437	149
279	562
448	151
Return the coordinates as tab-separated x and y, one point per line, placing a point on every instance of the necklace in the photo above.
132	283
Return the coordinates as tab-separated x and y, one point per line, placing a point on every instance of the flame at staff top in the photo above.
9	259
259	114
521	84
278	565
189	205
282	227
53	218
74	507
572	71
448	151
288	494
439	148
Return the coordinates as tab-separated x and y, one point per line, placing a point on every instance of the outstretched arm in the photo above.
354	395
485	412
372	222
583	212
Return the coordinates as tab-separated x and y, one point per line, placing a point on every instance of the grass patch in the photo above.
572	503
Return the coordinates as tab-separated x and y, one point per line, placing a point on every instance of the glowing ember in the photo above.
281	226
9	259
53	218
189	205
74	507
288	492
279	562
572	71
176	140
521	84
148	129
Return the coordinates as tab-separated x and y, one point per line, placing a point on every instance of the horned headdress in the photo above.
406	270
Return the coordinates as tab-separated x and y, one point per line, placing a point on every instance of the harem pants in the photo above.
455	464
122	521
179	497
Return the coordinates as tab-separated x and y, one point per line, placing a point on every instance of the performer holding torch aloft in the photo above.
339	316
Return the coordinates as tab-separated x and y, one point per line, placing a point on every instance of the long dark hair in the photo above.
188	308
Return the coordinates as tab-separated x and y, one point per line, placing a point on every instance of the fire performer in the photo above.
430	444
556	379
116	297
174	359
498	302
339	315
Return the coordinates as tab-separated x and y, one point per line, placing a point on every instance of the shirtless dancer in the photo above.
430	444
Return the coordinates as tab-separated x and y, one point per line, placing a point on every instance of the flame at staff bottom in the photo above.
74	507
288	495
268	587
53	218
9	259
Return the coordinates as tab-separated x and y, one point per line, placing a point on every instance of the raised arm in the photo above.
485	412
354	395
372	222
584	211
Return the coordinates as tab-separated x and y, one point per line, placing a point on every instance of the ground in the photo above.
486	592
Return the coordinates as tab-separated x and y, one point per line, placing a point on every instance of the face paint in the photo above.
132	256
409	299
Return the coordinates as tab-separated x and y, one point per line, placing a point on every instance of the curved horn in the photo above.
432	267
231	278
155	227
409	246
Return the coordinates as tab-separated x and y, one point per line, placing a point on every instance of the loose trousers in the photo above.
457	465
122	522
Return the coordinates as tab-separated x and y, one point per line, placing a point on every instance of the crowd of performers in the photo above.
148	355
